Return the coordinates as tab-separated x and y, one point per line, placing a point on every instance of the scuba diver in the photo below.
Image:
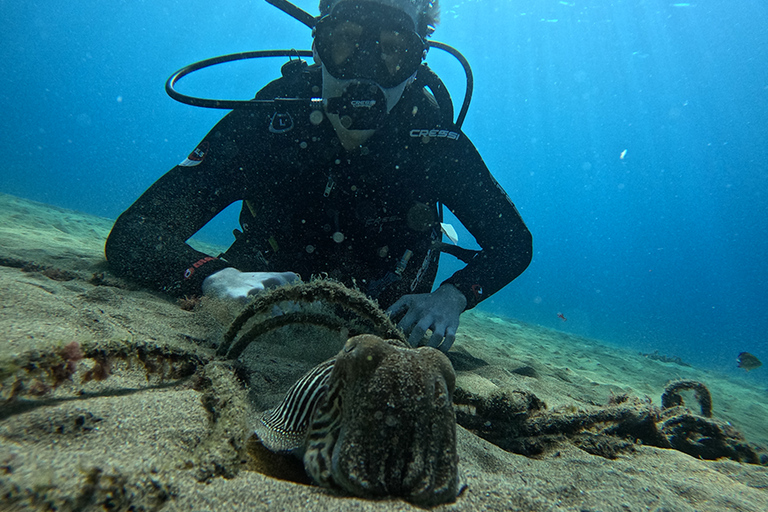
347	183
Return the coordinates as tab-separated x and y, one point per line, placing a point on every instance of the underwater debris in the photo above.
708	438
220	453
28	379
70	355
36	373
518	422
325	291
515	420
605	446
671	396
701	435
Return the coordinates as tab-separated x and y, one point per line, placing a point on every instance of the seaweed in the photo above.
36	373
188	302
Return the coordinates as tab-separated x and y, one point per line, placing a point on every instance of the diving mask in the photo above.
369	41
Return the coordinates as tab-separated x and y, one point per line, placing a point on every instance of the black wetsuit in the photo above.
368	217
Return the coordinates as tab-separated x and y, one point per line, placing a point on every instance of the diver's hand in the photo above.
230	283
438	311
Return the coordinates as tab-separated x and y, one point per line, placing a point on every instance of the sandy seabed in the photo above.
127	424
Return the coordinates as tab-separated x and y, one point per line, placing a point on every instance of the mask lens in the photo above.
372	46
395	49
342	42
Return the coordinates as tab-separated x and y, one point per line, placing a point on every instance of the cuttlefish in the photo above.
376	420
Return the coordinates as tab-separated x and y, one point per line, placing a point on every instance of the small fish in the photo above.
748	361
562	316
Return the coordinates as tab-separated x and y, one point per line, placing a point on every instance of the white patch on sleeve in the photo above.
197	156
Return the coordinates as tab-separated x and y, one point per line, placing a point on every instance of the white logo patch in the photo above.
435	134
197	156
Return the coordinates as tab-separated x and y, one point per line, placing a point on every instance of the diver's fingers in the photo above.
272	282
420	329
450	337
398	306
279	279
408	322
436	339
416	335
289	277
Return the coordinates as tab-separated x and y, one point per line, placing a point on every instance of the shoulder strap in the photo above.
428	79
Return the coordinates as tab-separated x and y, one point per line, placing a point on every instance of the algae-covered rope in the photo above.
326	291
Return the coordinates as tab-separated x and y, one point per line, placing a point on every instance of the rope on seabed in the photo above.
320	290
517	421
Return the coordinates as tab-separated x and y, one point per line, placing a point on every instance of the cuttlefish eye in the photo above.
363	354
351	344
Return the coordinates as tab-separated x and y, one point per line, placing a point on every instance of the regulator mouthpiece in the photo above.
362	106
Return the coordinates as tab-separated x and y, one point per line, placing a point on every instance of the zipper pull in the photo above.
329	186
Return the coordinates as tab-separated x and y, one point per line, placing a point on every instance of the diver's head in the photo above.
423	13
370	50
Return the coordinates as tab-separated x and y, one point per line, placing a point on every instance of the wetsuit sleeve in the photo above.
148	241
479	202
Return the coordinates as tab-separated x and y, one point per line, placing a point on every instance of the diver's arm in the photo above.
466	187
148	241
480	203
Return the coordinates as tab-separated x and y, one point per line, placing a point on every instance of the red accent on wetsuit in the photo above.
191	270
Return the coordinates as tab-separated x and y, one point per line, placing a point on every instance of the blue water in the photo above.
663	249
